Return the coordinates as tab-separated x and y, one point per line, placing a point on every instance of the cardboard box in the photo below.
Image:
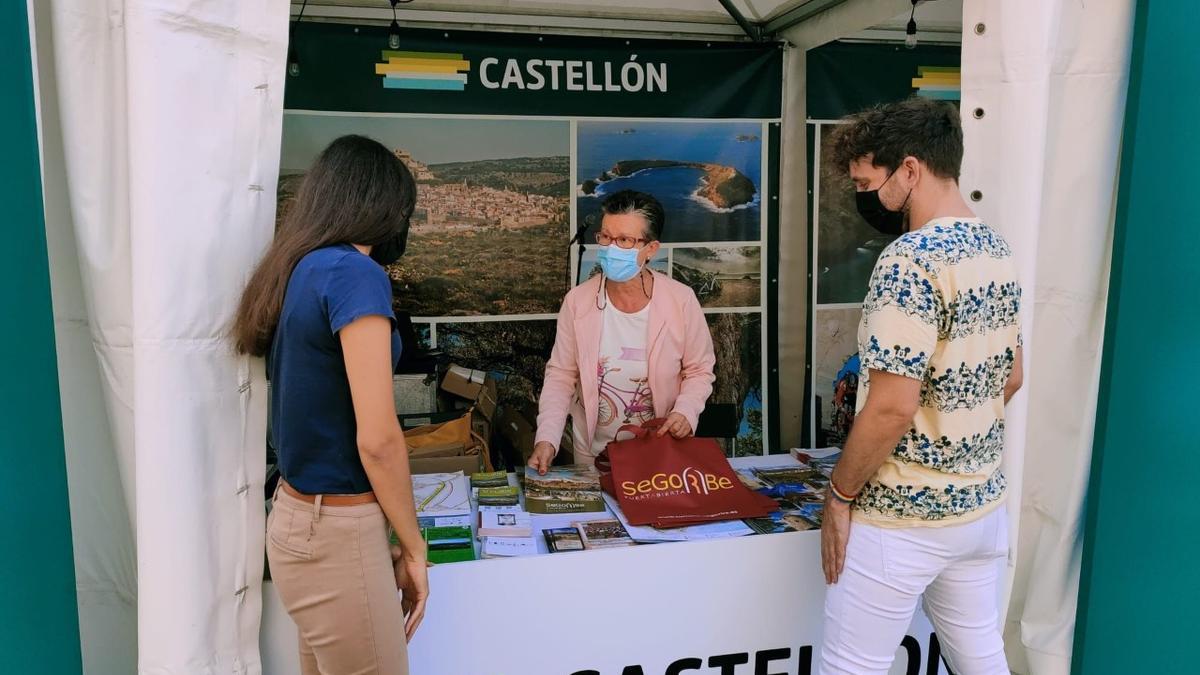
468	464
408	422
518	429
489	398
475	387
444	459
464	382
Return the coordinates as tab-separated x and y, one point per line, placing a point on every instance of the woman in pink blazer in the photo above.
632	344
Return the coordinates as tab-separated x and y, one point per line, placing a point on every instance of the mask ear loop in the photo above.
904	205
907	214
601	292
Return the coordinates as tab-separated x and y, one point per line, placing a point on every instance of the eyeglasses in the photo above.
621	242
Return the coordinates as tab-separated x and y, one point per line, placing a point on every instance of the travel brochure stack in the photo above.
589	535
509	495
505	532
564	489
443	502
799	489
505	529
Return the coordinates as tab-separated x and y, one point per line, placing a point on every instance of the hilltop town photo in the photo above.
487	190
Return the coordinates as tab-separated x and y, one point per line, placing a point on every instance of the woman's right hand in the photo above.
412	579
542	457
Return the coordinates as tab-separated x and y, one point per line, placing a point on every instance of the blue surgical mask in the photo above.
619	264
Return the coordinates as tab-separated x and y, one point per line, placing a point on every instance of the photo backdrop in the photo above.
844	78
515	140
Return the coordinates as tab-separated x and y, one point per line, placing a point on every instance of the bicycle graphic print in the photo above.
636	405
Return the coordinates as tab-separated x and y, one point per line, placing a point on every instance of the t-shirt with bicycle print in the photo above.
623	375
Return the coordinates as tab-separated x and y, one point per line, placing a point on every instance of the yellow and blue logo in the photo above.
940	82
438	71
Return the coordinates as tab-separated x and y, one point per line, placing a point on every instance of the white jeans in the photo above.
956	568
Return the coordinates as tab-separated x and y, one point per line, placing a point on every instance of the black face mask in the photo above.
876	214
389	250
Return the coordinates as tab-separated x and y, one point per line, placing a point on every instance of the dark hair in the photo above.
923	128
356	192
645	205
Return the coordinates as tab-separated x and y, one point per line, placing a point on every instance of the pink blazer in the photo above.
680	361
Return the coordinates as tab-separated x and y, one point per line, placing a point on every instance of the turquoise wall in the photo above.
38	615
1140	585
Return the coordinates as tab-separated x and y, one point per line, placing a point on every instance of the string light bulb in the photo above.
293	60
394	29
910	31
394	36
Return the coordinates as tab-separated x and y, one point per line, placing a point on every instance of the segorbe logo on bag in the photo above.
688	481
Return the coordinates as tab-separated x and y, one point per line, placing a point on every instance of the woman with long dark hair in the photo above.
319	307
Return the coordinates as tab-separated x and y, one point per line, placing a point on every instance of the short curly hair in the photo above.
926	129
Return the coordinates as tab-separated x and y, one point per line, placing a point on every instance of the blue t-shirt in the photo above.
312	416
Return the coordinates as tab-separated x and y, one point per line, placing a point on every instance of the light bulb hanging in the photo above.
910	31
394	35
394	29
293	59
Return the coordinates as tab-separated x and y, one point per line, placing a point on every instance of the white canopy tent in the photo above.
160	138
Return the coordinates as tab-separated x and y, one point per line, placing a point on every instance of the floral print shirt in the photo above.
942	308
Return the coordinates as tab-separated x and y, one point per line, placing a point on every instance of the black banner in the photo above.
845	77
355	69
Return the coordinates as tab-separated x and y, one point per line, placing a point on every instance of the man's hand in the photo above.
676	425
835	534
542	457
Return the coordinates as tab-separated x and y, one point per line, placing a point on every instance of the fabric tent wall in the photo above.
162	136
1049	77
105	558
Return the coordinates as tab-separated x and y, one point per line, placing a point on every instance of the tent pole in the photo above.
753	30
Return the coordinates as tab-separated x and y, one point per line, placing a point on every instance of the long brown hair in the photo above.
357	192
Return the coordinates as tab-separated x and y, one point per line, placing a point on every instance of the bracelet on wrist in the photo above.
839	495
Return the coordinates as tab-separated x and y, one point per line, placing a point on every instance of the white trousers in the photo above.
957	570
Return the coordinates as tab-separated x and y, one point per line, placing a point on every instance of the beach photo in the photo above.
708	175
729	276
487	191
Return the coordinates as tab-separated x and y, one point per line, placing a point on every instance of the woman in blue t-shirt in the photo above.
319	307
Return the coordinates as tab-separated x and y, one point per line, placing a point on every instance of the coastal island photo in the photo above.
708	175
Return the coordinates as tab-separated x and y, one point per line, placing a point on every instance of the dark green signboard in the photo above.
355	69
845	77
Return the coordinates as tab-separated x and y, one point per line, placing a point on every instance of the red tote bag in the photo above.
672	482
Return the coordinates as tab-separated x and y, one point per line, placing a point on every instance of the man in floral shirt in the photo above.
916	508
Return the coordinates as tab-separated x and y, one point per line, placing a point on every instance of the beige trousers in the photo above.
333	570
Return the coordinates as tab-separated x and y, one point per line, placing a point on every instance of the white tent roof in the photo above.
939	20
